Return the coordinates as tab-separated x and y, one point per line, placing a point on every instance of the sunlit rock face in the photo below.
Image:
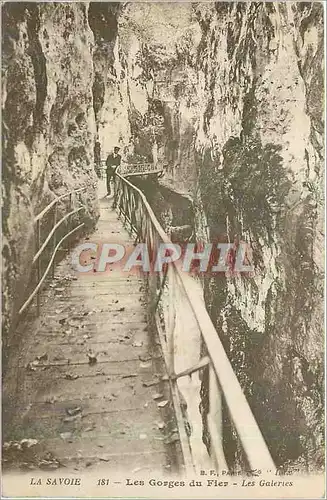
148	34
235	117
110	86
261	177
48	127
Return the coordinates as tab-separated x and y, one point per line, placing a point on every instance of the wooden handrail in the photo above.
41	248
46	272
151	214
56	200
251	438
132	169
53	230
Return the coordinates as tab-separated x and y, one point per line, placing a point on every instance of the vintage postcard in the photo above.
163	242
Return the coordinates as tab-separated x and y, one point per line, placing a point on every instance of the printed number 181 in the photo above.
103	482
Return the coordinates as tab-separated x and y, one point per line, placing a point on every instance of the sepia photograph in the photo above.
163	249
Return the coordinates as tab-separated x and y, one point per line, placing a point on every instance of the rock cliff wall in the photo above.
261	176
235	117
48	127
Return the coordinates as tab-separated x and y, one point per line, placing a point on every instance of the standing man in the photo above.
113	162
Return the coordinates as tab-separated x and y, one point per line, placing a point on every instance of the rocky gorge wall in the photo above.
262	178
235	118
48	129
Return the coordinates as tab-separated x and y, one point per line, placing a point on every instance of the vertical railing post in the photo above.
54	238
122	200
139	220
133	210
215	421
171	320
69	221
121	197
116	204
153	289
38	264
115	192
130	204
126	204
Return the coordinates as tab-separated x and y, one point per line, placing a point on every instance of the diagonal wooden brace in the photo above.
201	364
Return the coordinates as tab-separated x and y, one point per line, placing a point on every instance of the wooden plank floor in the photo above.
100	414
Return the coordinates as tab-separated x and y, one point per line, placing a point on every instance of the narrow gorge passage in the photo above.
90	374
225	102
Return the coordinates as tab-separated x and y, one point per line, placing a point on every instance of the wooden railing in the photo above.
133	169
49	216
178	308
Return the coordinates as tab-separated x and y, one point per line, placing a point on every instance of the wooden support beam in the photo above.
195	368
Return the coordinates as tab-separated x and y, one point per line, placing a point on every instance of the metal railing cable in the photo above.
175	304
51	236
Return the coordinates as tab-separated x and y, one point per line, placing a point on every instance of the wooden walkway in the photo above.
88	378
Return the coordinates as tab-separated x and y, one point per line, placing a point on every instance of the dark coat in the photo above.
112	163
